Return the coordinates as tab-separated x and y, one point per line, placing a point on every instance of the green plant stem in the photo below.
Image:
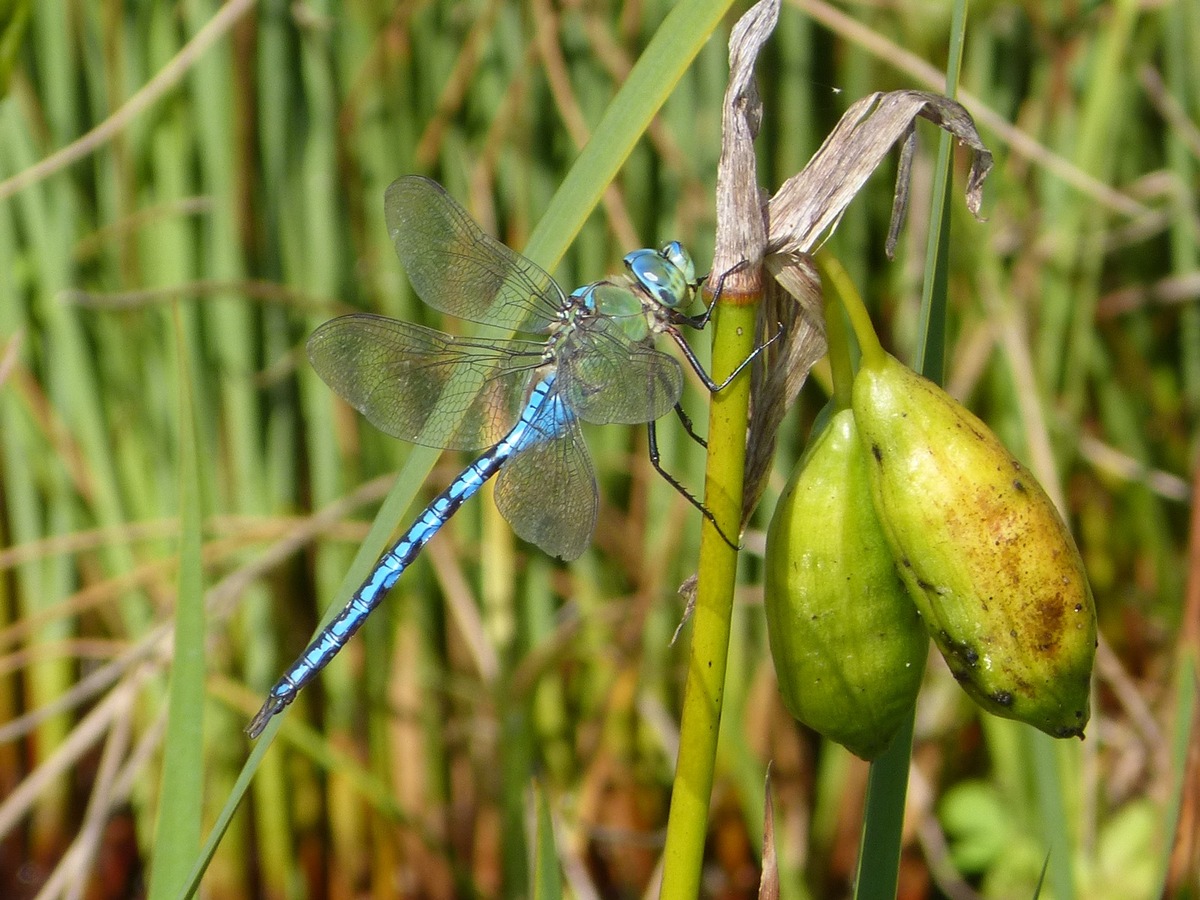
687	826
837	338
835	277
887	788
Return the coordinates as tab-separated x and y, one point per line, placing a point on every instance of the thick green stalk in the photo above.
687	826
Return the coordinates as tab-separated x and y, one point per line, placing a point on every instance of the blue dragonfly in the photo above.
522	399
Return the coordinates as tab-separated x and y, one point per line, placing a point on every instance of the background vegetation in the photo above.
223	195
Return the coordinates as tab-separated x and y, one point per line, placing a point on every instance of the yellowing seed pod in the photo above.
847	642
987	559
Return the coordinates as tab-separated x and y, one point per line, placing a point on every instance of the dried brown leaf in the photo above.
741	228
768	883
809	204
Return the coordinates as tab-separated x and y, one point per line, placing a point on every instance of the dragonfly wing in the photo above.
609	379
547	492
421	385
456	268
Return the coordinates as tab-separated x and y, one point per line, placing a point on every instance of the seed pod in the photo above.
987	559
848	645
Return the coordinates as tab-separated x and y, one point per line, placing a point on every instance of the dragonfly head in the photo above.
668	275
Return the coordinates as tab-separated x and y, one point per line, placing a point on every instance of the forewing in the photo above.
421	385
607	378
547	492
456	268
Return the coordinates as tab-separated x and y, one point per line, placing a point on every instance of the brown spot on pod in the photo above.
1002	698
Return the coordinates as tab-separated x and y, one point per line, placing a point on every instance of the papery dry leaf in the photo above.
768	884
741	228
809	204
792	303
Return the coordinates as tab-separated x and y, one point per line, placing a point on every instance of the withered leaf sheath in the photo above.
983	552
848	646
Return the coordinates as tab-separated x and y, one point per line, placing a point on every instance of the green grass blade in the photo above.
1052	812
883	818
1186	729
178	829
547	878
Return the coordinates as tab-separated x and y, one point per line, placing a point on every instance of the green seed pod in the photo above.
987	559
847	642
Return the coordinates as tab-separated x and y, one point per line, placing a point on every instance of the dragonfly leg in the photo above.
652	434
686	420
714	387
700	321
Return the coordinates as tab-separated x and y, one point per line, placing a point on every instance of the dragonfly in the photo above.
521	399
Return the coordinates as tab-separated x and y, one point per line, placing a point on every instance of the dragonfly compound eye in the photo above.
675	254
660	277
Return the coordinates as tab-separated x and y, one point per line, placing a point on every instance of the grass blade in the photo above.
178	829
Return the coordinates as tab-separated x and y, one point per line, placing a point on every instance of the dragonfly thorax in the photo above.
667	275
608	301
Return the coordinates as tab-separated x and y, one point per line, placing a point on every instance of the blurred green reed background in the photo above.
208	224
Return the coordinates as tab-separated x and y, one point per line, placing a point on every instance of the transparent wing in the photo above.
606	378
424	386
547	492
456	268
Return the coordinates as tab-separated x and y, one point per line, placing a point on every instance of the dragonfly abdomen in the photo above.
543	412
381	580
